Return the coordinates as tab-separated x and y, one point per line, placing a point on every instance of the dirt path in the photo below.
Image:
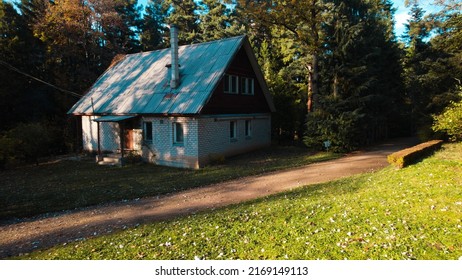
41	233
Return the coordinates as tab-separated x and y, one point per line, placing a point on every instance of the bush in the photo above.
7	151
411	155
342	129
450	121
32	141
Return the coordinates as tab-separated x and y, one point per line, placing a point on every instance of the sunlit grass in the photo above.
412	213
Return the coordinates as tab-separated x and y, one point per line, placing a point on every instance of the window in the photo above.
247	86
233	130
248	128
178	134
147	131
231	84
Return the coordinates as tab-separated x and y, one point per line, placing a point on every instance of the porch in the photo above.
127	131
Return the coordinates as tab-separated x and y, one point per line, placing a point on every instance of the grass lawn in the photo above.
66	184
412	213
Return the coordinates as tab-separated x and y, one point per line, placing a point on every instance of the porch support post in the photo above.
122	141
100	157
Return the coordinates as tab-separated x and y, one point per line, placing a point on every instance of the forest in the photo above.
336	69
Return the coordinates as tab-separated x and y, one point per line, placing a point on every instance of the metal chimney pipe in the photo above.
175	79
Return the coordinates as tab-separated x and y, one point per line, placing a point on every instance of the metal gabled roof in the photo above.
140	83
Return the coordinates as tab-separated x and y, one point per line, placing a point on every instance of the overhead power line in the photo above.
11	67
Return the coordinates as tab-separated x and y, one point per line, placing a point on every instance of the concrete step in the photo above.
111	159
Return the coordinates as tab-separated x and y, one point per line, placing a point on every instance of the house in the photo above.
181	106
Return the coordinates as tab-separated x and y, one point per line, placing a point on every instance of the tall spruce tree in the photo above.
185	15
217	21
360	98
153	29
23	100
432	62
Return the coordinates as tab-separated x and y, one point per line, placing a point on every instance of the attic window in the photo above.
247	86
231	84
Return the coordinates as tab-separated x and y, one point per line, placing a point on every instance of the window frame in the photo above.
248	129
228	84
233	131
248	86
148	137
176	141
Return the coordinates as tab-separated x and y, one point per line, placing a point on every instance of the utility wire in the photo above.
39	80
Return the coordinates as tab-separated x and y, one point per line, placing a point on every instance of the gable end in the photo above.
250	96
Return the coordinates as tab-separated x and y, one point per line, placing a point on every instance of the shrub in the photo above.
342	129
7	151
411	155
450	121
32	141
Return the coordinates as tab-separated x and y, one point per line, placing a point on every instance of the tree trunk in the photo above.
313	87
335	85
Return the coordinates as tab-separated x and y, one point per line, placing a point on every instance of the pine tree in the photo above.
432	65
22	99
218	21
185	15
360	98
118	23
153	30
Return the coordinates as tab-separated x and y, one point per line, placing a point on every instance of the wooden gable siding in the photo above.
224	103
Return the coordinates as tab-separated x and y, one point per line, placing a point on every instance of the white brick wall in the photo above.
163	151
205	137
109	133
214	136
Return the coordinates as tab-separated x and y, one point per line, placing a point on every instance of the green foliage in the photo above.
450	120
185	15
7	151
32	141
152	28
341	128
412	155
359	101
432	66
218	21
